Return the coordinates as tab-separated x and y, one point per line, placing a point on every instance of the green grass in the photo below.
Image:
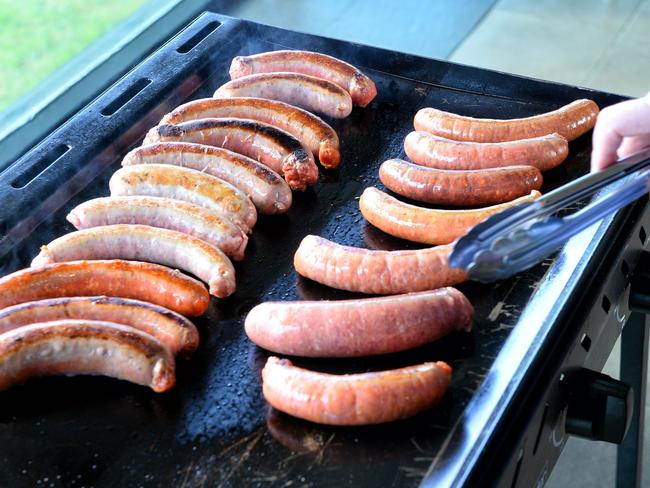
38	36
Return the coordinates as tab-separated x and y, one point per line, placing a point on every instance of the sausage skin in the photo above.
148	282
362	327
309	129
170	328
267	190
269	145
361	88
145	243
570	121
459	188
189	185
544	152
308	92
73	347
424	225
354	399
165	213
375	272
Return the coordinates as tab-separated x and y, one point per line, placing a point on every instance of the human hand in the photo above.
620	130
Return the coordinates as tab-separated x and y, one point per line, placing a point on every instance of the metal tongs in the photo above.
521	236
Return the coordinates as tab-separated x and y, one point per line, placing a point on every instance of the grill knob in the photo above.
599	407
640	285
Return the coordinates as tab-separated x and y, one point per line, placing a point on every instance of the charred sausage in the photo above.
73	347
269	145
543	152
459	188
424	225
354	399
376	272
309	129
128	279
308	92
570	121
361	327
145	243
359	86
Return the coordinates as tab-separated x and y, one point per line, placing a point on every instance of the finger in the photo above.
630	145
626	119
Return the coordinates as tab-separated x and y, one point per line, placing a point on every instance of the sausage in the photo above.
165	213
269	145
376	272
424	225
361	88
145	243
570	121
173	330
309	129
361	327
544	152
189	185
267	190
117	278
73	347
459	188
354	399
308	92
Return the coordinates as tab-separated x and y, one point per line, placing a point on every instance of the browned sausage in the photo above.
428	226
167	213
376	272
269	145
266	189
459	188
354	399
171	329
570	121
145	243
362	327
73	347
361	88
308	92
543	152
309	129
129	279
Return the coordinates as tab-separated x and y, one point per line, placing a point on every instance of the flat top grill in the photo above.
214	428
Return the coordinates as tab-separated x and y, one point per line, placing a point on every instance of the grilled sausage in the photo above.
308	92
543	152
359	86
376	272
570	121
145	243
73	347
309	129
459	188
424	225
354	399
362	327
165	213
269	145
171	329
189	185
128	279
267	190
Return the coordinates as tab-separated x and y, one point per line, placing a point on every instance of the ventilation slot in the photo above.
642	235
517	469
194	41
585	342
124	98
541	428
606	304
41	165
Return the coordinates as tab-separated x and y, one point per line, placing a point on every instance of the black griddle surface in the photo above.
214	428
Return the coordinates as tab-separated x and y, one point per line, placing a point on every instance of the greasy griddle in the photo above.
214	428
